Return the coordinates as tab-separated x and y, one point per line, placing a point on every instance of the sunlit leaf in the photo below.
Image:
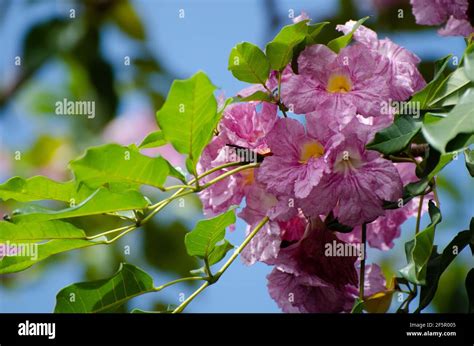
104	295
248	63
115	163
338	43
189	116
206	240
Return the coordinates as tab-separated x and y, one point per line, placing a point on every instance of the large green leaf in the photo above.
30	231
280	50
206	240
189	115
396	137
469	62
100	202
39	252
113	163
425	96
104	295
342	41
248	63
418	250
36	189
456	130
454	83
439	263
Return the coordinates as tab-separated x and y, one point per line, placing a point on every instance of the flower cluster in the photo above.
315	167
452	12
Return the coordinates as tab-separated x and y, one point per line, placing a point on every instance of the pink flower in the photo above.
244	125
359	182
303	16
436	12
338	84
405	79
297	163
265	246
306	279
384	230
374	281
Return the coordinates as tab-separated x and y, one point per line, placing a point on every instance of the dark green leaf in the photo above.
396	137
418	250
469	62
469	156
428	93
439	263
456	130
470	290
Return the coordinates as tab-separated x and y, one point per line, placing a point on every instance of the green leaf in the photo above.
418	250
189	116
248	63
256	96
113	163
469	156
39	252
153	140
280	50
470	290
396	137
104	295
204	240
358	307
454	83
100	202
425	96
469	62
30	231
338	43
456	130
419	187
439	263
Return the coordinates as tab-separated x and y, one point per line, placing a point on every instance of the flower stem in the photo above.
362	262
418	216
213	279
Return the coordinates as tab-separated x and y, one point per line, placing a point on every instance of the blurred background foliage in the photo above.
63	51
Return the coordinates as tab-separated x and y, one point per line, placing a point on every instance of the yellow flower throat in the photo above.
339	83
312	149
